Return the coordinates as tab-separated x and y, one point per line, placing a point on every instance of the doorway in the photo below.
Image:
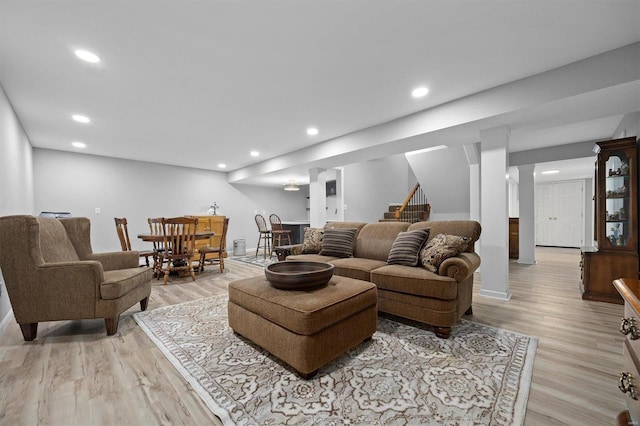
559	214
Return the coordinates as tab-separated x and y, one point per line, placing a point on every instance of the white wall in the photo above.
16	178
80	183
629	126
444	178
370	187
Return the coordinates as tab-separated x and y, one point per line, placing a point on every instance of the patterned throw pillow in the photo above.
442	247
338	242
312	240
406	248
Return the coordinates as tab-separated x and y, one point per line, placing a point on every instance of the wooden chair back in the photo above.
219	249
123	233
262	224
275	222
179	236
155	228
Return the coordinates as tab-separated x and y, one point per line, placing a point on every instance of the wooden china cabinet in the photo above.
616	221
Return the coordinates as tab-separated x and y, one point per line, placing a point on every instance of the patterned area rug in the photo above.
404	375
256	260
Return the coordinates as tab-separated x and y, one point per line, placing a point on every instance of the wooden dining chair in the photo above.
125	242
178	245
278	233
220	250
264	236
155	228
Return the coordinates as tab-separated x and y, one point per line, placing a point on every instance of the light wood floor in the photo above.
74	374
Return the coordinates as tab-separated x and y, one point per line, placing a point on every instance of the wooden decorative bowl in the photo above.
298	274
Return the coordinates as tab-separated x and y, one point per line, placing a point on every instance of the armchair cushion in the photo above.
119	282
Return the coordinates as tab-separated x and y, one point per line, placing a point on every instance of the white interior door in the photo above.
560	214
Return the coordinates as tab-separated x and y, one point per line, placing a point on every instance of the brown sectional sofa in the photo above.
438	299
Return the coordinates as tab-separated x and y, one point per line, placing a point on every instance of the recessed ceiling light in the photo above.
81	118
550	172
254	153
79	144
87	56
419	92
222	165
312	131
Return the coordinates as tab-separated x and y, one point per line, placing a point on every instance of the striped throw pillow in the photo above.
406	248
338	242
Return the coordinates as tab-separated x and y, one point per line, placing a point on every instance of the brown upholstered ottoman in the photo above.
308	328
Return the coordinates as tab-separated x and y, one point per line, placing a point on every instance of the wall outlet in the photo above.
97	210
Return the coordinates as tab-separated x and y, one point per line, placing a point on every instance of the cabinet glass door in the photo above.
617	200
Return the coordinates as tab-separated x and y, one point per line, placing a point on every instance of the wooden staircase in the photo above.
414	209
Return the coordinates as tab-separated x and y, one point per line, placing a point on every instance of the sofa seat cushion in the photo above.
119	282
414	280
356	267
304	312
310	257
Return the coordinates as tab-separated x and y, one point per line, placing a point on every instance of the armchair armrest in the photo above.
460	267
58	290
112	261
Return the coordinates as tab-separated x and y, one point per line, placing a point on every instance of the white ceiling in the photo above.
195	83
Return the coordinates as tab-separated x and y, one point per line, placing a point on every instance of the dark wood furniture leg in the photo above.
144	303
442	332
112	325
29	331
469	311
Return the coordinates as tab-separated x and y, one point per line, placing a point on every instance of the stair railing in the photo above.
415	207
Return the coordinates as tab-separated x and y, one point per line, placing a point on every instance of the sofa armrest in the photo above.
460	267
112	261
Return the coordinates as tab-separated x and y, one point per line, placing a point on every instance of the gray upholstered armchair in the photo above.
52	274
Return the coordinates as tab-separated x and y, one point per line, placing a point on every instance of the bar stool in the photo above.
264	236
278	233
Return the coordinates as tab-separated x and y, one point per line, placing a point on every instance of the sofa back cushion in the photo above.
374	240
463	228
55	244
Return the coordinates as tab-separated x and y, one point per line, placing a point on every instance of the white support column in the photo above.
317	197
527	224
473	158
340	193
494	211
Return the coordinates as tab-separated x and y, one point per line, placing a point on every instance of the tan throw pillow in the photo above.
406	248
338	242
442	247
312	240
